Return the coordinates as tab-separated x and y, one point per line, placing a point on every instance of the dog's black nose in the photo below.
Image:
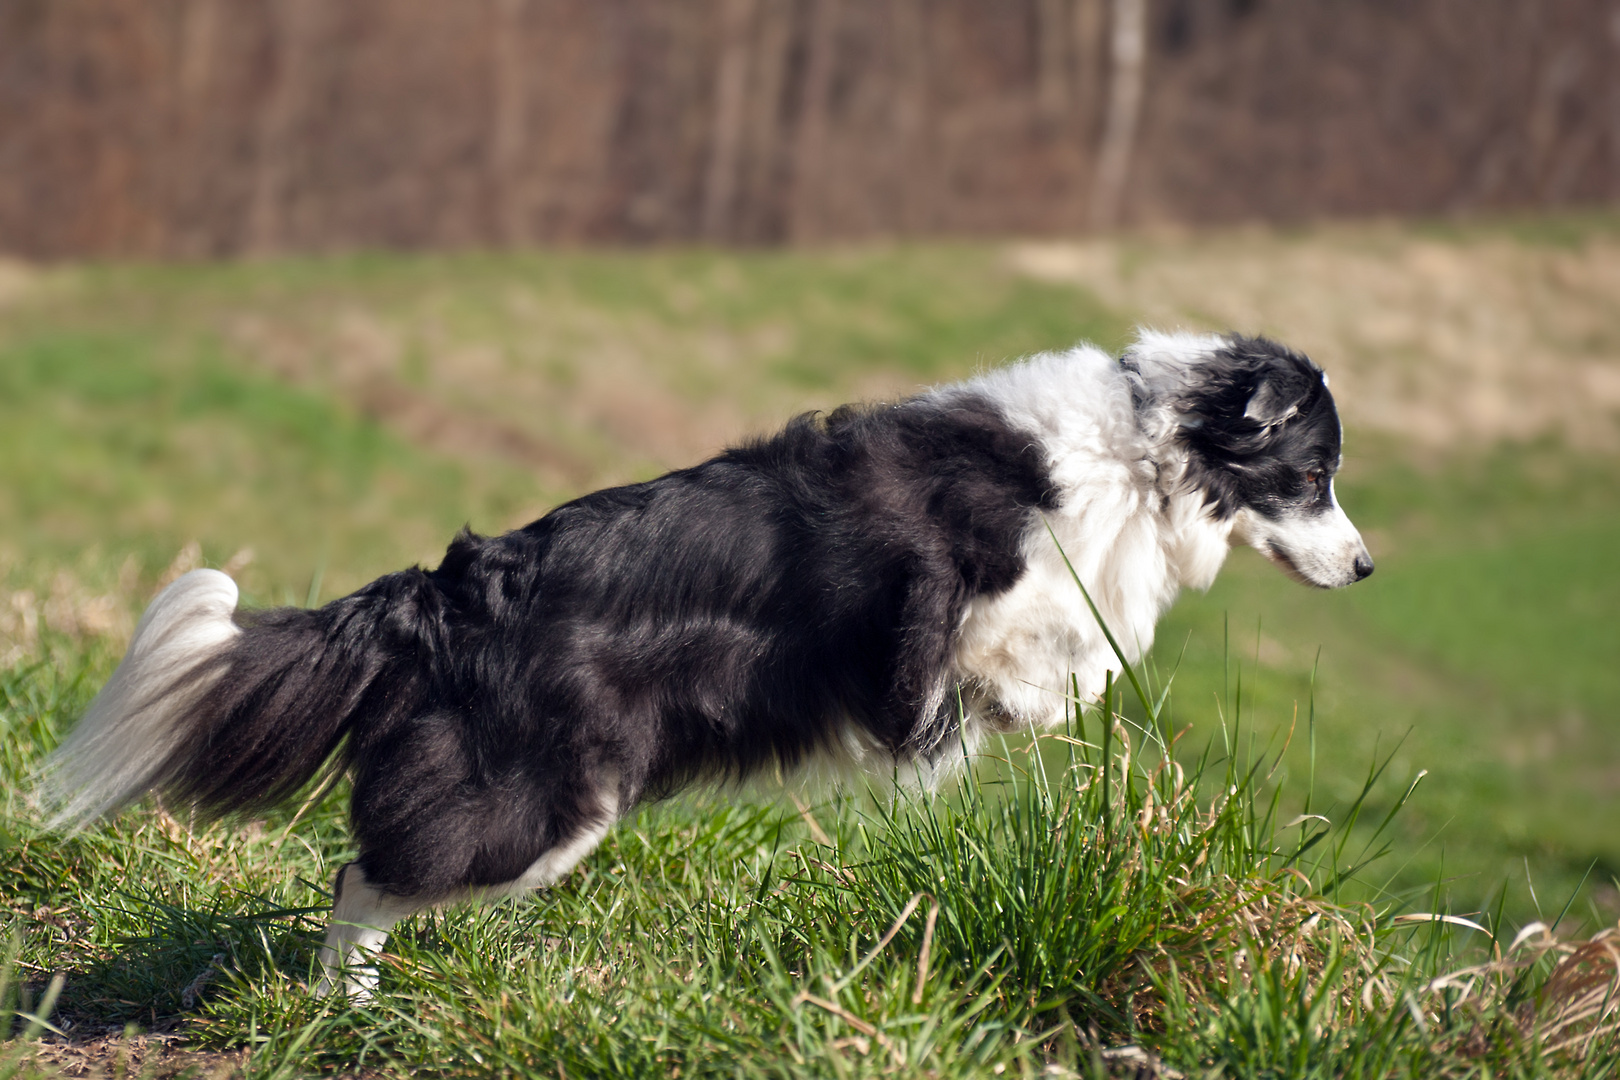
1364	566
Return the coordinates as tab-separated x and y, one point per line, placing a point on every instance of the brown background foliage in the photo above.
193	128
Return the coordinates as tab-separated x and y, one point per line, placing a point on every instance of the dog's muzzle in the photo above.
1321	549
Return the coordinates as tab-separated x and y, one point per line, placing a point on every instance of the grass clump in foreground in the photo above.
1083	903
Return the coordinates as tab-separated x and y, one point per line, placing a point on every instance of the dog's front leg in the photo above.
362	916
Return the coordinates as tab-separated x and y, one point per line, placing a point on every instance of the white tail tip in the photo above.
129	734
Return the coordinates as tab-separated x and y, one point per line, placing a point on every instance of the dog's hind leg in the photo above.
555	864
362	916
363	913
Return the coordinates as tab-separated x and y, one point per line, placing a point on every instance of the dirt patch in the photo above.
17	280
1436	342
365	361
114	1054
160	1056
577	396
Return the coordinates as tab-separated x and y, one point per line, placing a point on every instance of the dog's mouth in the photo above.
1285	562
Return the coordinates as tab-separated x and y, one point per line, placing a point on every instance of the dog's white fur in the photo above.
1133	531
117	750
1132	538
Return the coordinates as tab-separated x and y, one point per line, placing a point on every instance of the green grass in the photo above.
353	412
1055	907
1483	648
342	417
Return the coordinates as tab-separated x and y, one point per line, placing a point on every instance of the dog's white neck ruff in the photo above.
1132	534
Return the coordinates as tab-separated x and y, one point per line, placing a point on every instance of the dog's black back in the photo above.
792	594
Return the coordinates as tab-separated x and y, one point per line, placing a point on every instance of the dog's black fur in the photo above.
706	622
1258	422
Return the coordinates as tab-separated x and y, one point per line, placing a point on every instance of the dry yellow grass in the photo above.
1443	342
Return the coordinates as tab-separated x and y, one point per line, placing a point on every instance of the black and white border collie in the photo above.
879	586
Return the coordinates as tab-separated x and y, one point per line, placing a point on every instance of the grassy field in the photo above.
313	423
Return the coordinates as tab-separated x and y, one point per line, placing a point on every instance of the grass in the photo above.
352	412
1481	651
314	423
1081	902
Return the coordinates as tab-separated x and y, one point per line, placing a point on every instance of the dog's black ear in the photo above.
1278	397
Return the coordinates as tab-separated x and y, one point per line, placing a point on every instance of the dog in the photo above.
879	586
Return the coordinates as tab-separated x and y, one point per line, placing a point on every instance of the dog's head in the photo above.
1262	438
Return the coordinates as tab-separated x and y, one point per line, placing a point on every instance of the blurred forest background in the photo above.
299	287
199	128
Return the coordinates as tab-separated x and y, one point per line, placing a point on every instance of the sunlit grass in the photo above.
1077	899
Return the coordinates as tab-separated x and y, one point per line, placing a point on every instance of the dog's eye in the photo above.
1312	476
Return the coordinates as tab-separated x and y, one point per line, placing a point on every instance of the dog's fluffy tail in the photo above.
224	713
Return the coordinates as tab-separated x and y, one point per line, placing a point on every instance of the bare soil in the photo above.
114	1054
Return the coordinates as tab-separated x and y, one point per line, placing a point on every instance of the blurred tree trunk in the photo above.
1088	62
295	31
911	114
510	123
186	180
765	166
1128	62
1051	76
810	149
1089	66
726	132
